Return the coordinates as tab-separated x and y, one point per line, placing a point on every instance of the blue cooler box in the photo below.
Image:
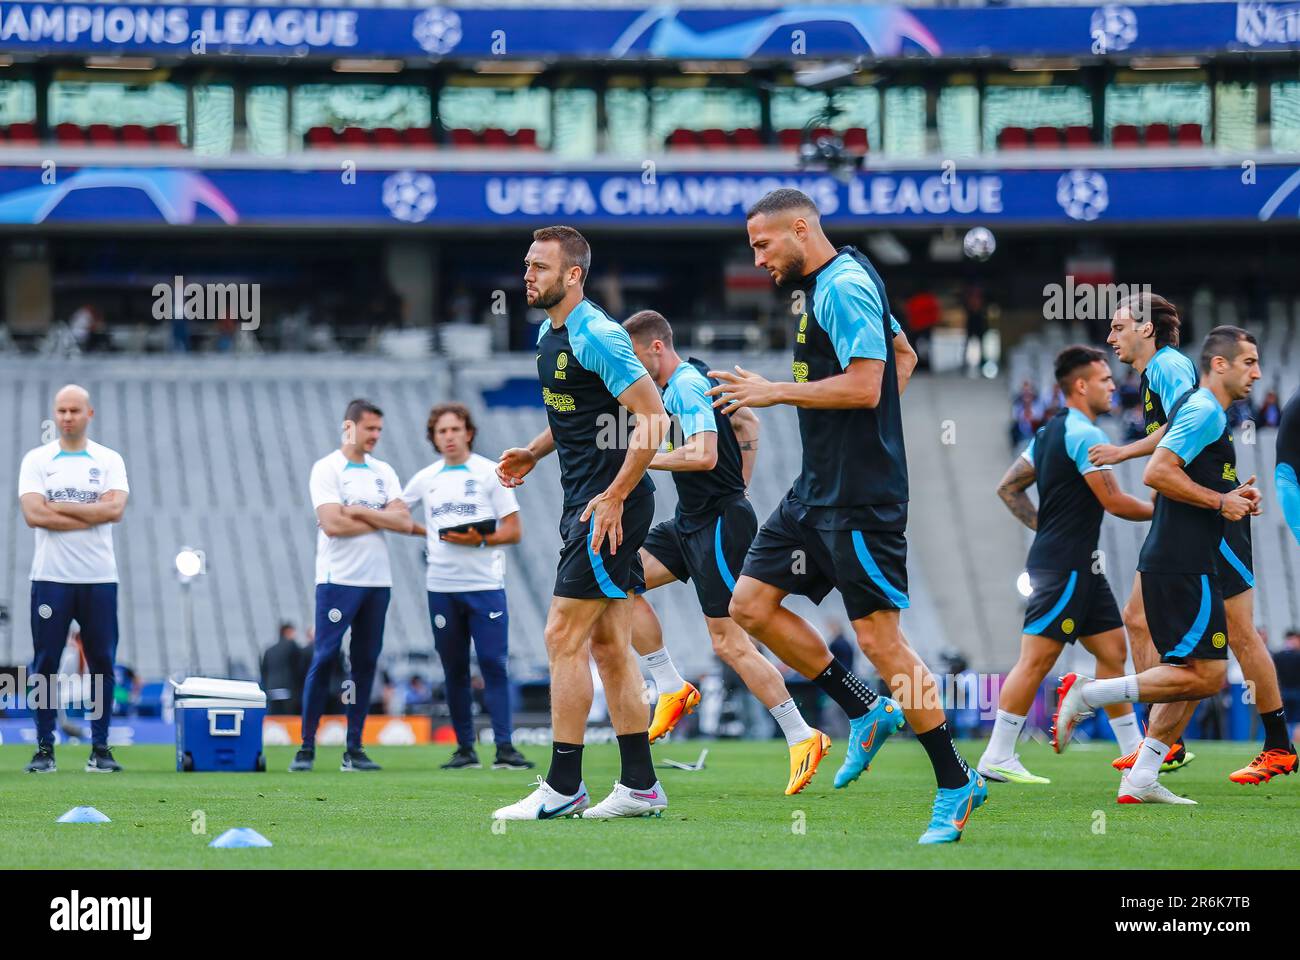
219	725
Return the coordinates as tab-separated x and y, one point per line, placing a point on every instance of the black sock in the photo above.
950	770
845	689
1275	735
638	767
565	775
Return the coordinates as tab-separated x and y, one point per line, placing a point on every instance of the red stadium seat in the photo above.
1045	138
21	134
1078	137
855	140
166	135
746	138
355	137
460	137
790	138
1188	135
1124	136
1013	138
102	135
322	137
69	134
386	137
714	139
134	135
819	132
421	137
496	138
525	138
1157	135
682	138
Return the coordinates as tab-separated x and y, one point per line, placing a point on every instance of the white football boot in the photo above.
626	802
1155	793
1007	771
545	803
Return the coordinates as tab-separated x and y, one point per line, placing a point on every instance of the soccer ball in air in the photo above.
979	243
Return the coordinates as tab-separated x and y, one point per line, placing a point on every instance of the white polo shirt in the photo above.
360	561
73	556
454	495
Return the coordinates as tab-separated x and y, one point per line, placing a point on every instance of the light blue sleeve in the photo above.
1078	438
1029	450
686	399
1171	378
604	348
850	311
1197	425
1288	491
894	328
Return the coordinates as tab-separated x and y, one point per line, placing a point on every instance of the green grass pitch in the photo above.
732	815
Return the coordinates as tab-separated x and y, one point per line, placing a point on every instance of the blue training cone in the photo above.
83	815
240	837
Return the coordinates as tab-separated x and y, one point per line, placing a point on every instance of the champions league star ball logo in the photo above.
1113	27
1082	194
410	197
437	30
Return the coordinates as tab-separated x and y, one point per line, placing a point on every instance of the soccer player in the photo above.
842	524
1145	333
705	541
72	491
591	381
466	512
356	498
1193	471
1288	464
1071	598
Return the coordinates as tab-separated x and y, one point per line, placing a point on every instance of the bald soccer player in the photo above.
72	491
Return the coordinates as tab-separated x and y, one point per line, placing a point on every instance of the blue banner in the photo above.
653	32
443	198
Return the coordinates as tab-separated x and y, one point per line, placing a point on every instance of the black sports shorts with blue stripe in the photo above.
710	555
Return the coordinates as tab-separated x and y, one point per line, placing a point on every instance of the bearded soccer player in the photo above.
72	491
1071	599
1193	471
1285	475
1145	333
705	542
591	380
842	524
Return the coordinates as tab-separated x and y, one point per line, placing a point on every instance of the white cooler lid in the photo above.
243	690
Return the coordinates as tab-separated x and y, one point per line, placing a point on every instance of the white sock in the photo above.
792	722
1147	767
1100	693
1127	732
1006	731
666	677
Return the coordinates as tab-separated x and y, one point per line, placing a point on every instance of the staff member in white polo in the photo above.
467	514
356	498
72	491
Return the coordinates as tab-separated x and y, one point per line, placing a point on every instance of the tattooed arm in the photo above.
1019	477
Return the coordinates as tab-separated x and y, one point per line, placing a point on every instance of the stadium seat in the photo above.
855	140
1189	135
1157	135
1013	138
461	137
385	137
819	132
102	135
166	135
1078	137
1046	138
713	138
69	134
682	138
21	134
355	137
419	137
790	138
1124	136
322	137
525	138
496	138
134	135
746	138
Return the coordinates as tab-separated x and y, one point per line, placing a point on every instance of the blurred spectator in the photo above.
87	325
837	639
283	672
977	321
1130	405
1287	661
1026	414
961	696
1270	411
923	313
225	332
419	695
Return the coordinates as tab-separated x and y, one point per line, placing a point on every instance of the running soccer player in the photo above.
356	499
466	511
1145	333
1193	472
704	542
1071	598
842	523
72	491
591	380
1286	474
